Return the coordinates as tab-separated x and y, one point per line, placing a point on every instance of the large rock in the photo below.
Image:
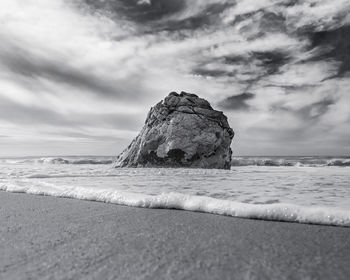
181	131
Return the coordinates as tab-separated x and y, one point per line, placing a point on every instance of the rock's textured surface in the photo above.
181	131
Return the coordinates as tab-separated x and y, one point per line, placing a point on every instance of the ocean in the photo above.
312	190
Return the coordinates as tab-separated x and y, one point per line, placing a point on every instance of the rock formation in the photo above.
181	131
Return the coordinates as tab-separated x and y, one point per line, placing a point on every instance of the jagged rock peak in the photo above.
183	130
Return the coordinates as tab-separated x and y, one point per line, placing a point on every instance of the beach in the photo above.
46	237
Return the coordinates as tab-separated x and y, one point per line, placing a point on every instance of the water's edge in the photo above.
271	212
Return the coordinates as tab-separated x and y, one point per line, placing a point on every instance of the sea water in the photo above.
296	189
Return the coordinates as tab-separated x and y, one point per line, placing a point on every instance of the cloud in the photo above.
30	65
333	45
144	2
88	71
311	112
138	11
237	102
35	114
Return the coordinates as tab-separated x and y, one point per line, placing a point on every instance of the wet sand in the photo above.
58	238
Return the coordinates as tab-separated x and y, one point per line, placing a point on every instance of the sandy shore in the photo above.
55	238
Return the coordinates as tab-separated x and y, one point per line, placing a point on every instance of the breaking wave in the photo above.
273	212
74	161
62	160
291	161
236	161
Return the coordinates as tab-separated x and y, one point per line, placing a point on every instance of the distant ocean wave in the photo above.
290	161
60	160
236	161
273	212
74	161
48	176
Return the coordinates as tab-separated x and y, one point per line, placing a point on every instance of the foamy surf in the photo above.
273	212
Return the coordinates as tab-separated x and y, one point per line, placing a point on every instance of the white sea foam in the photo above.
301	193
172	200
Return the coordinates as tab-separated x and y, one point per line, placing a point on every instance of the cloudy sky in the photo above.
78	76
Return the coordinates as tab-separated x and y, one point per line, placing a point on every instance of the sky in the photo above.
77	77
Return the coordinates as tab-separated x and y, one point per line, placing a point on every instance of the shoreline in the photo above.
280	212
61	238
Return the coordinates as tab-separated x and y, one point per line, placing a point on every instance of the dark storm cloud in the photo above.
212	72
334	45
268	63
272	22
138	11
271	61
160	15
237	102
